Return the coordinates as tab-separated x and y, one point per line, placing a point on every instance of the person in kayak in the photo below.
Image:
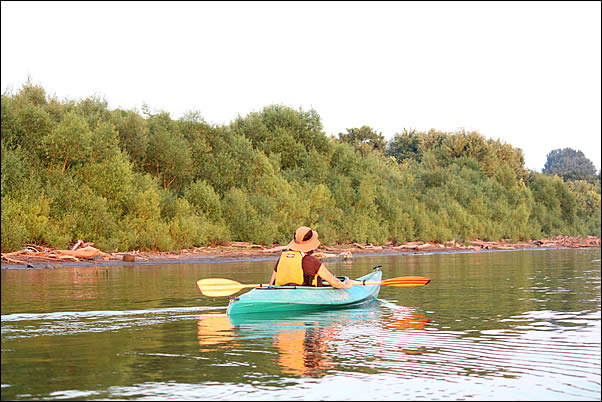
297	266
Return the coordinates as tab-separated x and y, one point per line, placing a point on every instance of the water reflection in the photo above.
495	326
404	318
214	331
393	340
301	348
309	344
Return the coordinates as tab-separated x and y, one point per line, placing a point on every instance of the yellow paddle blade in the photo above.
215	287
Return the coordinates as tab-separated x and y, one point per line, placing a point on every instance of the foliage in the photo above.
168	156
405	145
364	140
76	170
569	164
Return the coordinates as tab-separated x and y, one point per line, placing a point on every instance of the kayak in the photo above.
304	298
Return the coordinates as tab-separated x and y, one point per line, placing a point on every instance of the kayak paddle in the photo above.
401	281
216	287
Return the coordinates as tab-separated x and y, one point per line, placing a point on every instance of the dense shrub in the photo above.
123	180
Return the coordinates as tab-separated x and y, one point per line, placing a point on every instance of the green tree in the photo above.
168	156
133	134
569	164
405	145
94	109
588	206
70	143
123	180
8	120
283	131
201	196
364	140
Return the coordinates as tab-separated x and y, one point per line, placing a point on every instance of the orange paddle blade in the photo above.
400	282
407	281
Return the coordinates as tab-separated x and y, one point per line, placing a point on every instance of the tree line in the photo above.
125	180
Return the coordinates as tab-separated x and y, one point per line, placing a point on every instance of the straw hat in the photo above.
305	240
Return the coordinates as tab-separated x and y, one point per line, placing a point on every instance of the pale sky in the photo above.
525	73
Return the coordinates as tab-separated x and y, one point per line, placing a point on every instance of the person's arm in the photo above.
333	280
273	279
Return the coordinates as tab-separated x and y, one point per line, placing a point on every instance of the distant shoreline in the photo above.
234	252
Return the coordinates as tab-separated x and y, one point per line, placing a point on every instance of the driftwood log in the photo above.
247	245
87	252
80	251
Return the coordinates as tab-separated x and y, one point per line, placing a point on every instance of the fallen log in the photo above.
245	244
274	249
363	247
77	245
320	256
423	246
345	255
39	254
85	252
35	247
405	247
8	259
524	245
331	248
13	253
64	257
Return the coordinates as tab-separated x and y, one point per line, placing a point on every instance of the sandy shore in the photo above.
36	257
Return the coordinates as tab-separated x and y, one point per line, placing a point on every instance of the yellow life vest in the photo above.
289	268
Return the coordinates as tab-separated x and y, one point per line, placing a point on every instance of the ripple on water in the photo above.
25	325
537	339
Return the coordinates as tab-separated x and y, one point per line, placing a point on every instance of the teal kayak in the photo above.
304	298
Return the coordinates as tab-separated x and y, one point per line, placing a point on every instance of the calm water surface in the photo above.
509	325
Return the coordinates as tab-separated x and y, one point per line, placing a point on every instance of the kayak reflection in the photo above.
214	330
302	349
306	343
309	344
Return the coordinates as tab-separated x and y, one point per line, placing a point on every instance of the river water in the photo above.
503	325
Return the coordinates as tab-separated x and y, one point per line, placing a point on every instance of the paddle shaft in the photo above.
367	282
216	287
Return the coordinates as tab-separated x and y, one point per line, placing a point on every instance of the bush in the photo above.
76	170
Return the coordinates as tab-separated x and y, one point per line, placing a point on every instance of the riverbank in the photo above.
84	254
